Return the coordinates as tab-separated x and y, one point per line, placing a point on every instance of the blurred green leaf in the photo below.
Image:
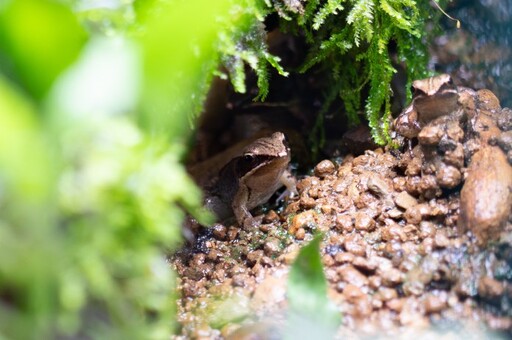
179	62
310	314
38	40
231	309
26	173
29	250
89	201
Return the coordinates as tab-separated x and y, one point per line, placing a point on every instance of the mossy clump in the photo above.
359	42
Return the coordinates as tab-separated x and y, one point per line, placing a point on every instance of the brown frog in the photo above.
432	98
249	175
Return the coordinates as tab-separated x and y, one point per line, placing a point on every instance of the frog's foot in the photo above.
287	194
288	180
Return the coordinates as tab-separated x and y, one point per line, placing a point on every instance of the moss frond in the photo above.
361	18
349	38
331	7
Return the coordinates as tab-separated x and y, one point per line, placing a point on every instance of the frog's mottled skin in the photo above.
250	178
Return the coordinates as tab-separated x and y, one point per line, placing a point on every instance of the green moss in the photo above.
352	39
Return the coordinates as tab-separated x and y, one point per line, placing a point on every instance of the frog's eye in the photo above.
245	163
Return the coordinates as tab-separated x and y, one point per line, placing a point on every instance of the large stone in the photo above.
486	198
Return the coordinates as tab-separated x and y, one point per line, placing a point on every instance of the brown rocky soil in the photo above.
415	240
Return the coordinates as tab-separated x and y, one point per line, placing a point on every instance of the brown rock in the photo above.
489	287
213	255
308	182
239	280
455	157
375	281
386	294
414	214
395	304
363	306
399	183
405	201
219	231
414	167
427	245
355	244
378	186
504	141
434	304
391	277
344	202
363	222
254	256
304	219
393	232
412	185
271	216
352	292
324	168
412	316
270	292
344	257
344	223
486	197
486	100
272	246
300	234
504	119
428	187
448	176
352	276
364	264
307	202
340	185
430	135
394	213
454	131
232	233
327	260
427	229
197	260
485	128
441	240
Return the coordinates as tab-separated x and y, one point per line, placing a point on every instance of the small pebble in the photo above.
405	201
324	168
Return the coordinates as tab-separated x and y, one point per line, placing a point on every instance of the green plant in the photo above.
93	192
310	313
353	39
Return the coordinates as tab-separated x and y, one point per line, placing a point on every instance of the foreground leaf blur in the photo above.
310	313
91	200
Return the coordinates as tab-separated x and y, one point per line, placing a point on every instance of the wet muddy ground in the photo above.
416	239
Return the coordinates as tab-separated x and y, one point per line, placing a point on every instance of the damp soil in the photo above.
417	238
396	260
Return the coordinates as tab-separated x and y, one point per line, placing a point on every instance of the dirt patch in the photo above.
415	240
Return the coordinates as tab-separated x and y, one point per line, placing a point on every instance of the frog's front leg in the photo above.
239	206
289	181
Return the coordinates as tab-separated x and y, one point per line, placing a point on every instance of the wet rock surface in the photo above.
413	239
